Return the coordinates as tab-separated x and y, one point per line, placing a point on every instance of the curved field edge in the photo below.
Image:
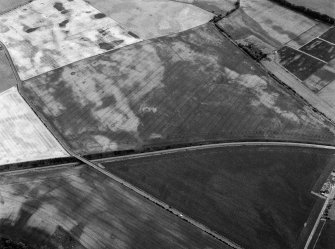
242	193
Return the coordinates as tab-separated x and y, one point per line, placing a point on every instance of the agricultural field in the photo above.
77	207
329	35
290	39
327	236
216	6
154	18
300	64
326	7
319	80
23	137
47	34
7	5
268	26
320	49
314	64
324	77
259	197
192	87
8	79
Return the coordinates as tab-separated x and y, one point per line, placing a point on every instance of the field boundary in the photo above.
211	146
310	54
324	40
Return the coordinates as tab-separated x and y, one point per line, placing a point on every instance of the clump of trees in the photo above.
308	12
9	244
6	243
256	53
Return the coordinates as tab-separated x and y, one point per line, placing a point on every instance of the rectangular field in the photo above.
92	210
329	35
47	34
259	197
321	79
298	63
320	49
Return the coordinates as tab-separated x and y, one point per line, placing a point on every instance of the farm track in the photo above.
326	41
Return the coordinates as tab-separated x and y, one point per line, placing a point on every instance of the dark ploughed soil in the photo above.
259	197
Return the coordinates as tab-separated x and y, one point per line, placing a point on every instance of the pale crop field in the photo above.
23	137
47	34
153	18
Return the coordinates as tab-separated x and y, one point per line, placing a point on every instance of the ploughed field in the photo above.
192	87
320	49
329	35
258	197
310	60
81	208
